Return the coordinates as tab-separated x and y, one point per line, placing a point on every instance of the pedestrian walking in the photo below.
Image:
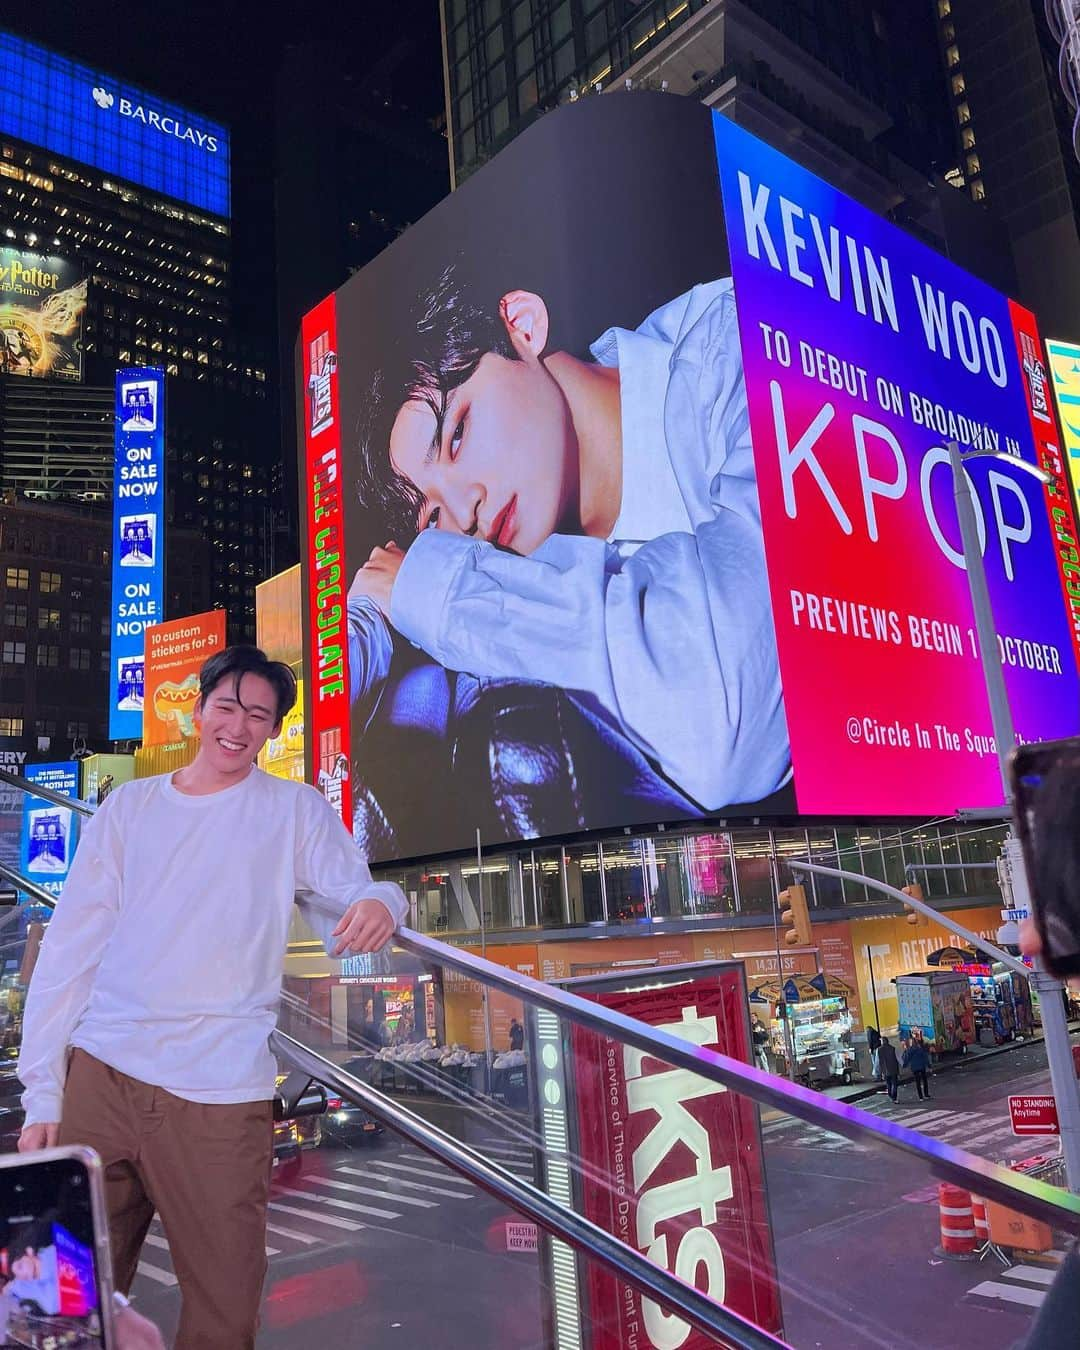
147	1023
917	1059
873	1044
890	1067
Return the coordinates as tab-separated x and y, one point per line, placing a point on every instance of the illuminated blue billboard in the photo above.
138	564
49	832
85	115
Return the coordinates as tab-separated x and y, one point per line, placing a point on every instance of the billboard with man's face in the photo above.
627	501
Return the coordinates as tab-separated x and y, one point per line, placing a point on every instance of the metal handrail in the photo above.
1035	1198
75	804
42	896
627	1262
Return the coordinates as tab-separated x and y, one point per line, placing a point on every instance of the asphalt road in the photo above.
380	1247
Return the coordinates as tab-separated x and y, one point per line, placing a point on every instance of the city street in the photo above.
380	1243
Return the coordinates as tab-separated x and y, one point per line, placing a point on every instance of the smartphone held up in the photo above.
1046	809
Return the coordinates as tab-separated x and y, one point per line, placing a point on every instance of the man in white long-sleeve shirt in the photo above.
591	524
150	1008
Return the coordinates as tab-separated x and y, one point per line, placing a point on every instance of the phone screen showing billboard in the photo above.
50	1290
589	547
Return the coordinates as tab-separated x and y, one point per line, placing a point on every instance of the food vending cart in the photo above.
937	1003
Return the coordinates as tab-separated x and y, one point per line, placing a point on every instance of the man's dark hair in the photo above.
445	335
234	663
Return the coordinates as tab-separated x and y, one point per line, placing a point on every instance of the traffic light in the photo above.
914	917
794	913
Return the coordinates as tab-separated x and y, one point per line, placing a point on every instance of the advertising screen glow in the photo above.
88	116
611	526
42	303
49	832
138	570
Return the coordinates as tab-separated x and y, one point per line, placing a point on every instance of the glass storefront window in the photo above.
847	844
584	887
828	891
711	873
873	863
624	881
753	871
668	874
953	883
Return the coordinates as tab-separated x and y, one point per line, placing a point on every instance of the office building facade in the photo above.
131	194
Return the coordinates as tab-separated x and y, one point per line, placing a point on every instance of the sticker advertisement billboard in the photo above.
584	551
49	832
173	655
138	562
42	304
90	116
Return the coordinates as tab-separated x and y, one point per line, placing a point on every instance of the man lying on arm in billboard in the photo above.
592	525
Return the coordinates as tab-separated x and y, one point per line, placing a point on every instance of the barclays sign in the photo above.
74	111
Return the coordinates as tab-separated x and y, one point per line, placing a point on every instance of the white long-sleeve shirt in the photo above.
666	627
164	956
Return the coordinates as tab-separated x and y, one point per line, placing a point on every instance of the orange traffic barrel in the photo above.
957	1217
982	1223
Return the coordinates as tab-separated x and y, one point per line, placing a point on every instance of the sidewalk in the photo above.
853	1092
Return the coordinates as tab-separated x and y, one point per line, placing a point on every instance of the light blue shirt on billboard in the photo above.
666	626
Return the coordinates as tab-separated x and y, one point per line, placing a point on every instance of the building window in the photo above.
80	624
49	619
952	56
963	114
18	578
944	8
105	661
11	726
978	190
50	583
75	729
974	168
958	85
14	615
14	653
46	727
967	137
79	658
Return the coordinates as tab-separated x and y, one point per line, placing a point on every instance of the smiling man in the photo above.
591	524
156	990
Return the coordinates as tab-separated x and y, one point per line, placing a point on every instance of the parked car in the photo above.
347	1123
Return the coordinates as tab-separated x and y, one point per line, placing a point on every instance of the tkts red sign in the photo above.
674	1166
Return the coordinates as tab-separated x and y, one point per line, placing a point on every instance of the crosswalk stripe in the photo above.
412	1185
508	1150
317	1199
368	1190
420	1172
1033	1274
1009	1293
331	1219
153	1273
153	1240
279	1231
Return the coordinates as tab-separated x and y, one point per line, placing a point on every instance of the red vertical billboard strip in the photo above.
672	1165
1048	451
327	637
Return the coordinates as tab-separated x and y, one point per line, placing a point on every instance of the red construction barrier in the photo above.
957	1222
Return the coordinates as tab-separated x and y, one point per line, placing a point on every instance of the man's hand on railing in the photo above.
42	1134
366	926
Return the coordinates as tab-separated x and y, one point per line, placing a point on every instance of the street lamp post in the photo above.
1055	1028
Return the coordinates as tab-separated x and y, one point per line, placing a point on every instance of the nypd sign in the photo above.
71	110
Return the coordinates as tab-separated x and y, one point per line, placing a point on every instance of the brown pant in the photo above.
205	1169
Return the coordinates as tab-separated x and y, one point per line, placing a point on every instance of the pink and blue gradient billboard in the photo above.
865	352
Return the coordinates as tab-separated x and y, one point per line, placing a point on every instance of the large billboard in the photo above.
1064	359
138	564
49	832
174	654
42	303
89	116
580	554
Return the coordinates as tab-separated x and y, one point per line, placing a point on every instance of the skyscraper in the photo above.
125	197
